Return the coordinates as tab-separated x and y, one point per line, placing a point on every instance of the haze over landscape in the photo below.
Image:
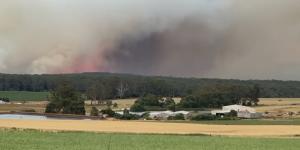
149	74
208	38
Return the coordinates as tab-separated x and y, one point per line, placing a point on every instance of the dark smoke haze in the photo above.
202	38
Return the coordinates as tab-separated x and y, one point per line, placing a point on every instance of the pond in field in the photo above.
25	117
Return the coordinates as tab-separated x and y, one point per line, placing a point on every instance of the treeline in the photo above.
209	97
222	95
125	85
67	100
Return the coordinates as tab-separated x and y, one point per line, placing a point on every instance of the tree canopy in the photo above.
111	86
65	99
220	95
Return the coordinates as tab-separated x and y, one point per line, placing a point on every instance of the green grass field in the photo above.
24	95
34	140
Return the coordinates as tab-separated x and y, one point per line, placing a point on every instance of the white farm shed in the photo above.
242	111
133	113
160	115
165	114
2	102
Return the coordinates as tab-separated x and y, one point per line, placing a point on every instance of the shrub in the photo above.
66	99
232	113
149	100
204	117
94	111
170	104
74	107
109	103
109	112
28	110
52	108
118	116
5	99
146	116
126	112
176	117
137	107
127	116
115	105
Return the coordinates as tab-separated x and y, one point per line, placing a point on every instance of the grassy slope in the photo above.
34	140
24	96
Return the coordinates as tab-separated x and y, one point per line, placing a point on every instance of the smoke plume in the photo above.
200	38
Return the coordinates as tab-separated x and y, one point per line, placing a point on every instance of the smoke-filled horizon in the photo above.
191	38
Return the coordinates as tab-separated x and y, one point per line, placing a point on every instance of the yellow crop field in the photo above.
152	127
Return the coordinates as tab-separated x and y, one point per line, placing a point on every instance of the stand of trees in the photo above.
64	99
210	97
220	95
151	101
101	86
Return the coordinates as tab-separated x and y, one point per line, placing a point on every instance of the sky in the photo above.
187	38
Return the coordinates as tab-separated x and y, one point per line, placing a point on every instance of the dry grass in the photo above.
279	101
275	104
280	107
122	103
152	127
37	106
125	103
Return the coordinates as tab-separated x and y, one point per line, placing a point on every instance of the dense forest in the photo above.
126	85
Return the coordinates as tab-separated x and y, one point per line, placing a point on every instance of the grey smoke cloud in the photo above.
201	38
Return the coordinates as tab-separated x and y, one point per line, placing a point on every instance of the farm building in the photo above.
3	102
163	115
160	115
134	113
242	111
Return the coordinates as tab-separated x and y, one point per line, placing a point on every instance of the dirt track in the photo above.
153	127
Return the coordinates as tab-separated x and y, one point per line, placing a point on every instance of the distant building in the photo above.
133	113
160	115
163	115
248	115
242	111
3	102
